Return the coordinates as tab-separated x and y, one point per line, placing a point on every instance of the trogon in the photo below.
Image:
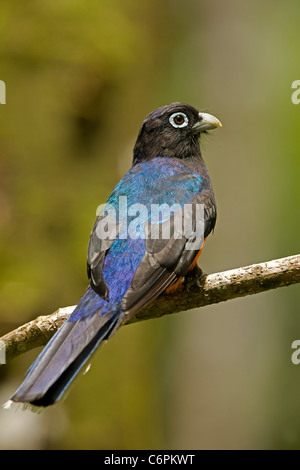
139	246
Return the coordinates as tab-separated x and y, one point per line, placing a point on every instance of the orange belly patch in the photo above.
174	287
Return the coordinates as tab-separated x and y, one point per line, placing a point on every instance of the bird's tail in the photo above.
69	349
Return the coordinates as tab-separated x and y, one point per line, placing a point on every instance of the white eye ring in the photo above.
172	120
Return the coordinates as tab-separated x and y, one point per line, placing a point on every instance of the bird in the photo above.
138	247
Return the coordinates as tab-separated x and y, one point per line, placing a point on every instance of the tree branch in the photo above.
197	290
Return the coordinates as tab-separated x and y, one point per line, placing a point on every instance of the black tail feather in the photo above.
63	357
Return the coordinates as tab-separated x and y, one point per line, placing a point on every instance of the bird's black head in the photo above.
172	131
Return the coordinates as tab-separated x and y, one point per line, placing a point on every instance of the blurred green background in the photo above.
80	78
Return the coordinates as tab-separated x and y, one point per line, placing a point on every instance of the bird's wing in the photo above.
102	238
167	259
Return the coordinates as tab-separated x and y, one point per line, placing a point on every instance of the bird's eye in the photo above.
178	120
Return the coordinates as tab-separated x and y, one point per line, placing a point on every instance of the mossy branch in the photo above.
197	290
